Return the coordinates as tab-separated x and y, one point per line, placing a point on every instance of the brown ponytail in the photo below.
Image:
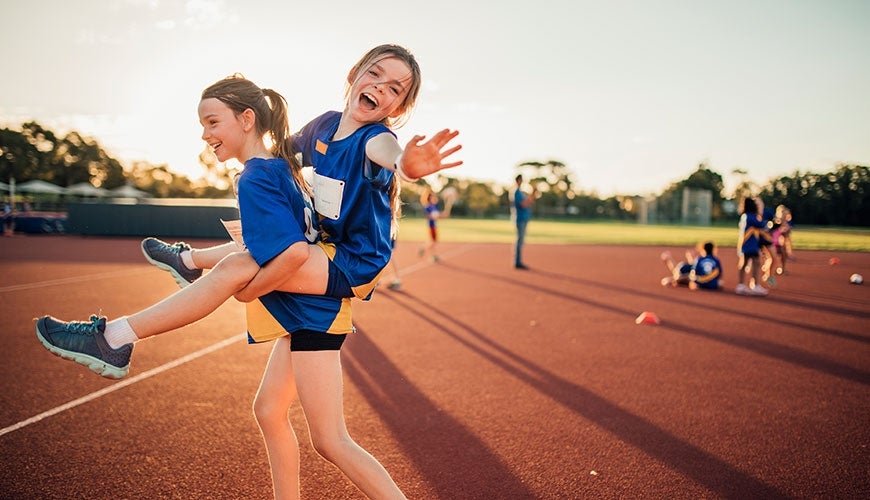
270	111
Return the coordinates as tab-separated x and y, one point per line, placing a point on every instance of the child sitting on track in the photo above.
701	272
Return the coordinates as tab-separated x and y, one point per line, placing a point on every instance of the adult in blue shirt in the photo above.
521	212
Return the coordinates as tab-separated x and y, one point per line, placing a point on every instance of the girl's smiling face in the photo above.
379	90
221	129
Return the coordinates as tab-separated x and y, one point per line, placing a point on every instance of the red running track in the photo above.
473	381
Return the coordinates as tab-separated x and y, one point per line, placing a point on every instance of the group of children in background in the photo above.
763	246
763	249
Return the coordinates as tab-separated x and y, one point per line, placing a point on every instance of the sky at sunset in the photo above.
630	95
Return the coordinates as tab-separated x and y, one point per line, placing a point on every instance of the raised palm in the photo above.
420	160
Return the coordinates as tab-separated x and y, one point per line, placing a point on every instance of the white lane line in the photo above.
74	279
422	264
168	366
124	383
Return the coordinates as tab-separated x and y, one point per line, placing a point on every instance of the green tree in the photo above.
480	199
840	197
19	159
38	153
77	159
552	179
160	181
745	187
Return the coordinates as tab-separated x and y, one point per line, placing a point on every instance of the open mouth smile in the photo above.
368	101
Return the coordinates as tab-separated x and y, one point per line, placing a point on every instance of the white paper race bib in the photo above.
327	196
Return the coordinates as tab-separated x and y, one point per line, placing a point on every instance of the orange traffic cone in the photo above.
647	318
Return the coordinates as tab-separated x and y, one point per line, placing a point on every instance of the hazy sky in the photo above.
630	95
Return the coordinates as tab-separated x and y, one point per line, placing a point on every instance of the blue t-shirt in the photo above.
521	213
275	214
351	196
707	271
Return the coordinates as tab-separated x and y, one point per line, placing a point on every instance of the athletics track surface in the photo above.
473	381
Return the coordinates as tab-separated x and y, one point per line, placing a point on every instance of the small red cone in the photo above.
834	261
647	318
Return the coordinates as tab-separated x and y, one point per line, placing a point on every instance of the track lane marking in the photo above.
73	279
124	383
162	368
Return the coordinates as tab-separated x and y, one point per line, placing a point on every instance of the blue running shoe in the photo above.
85	343
168	258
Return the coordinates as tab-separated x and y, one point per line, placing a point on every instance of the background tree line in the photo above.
839	197
35	152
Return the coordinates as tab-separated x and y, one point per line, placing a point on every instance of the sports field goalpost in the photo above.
697	207
691	207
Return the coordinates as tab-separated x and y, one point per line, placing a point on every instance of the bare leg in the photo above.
766	260
668	261
309	278
780	251
276	393
755	262
319	382
312	276
430	247
397	282
207	258
433	249
690	257
198	300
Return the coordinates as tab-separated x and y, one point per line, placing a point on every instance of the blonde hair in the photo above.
270	115
372	56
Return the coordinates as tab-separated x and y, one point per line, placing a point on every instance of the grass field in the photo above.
544	231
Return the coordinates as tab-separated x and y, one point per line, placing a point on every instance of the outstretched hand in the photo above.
420	160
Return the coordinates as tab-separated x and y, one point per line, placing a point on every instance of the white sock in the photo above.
187	259
118	333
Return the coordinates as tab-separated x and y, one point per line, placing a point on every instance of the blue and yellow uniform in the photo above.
706	272
432	213
351	198
750	234
275	214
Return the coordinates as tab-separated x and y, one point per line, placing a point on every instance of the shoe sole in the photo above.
179	279
97	366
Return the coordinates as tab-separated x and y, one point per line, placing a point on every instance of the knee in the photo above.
238	267
331	447
269	414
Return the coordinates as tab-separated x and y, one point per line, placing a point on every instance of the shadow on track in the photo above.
706	469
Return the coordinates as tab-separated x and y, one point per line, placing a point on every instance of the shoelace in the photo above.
178	247
83	327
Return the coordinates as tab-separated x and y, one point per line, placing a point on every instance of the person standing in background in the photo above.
8	217
521	212
429	200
